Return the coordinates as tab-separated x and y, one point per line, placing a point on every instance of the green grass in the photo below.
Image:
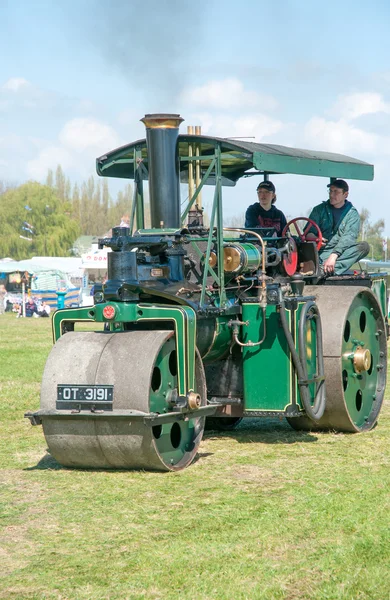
264	513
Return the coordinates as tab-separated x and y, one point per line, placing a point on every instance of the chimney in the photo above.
162	131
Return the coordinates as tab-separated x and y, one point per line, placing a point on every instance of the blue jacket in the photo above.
256	216
346	232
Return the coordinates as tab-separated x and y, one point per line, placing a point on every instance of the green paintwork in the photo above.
252	257
75	315
310	166
221	341
267	368
172	440
360	330
183	317
270	382
379	289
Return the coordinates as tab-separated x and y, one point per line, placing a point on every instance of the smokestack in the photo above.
163	160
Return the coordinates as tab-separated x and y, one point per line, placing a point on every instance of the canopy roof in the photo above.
40	264
22	266
239	159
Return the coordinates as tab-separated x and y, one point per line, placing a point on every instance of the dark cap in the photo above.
267	185
340	183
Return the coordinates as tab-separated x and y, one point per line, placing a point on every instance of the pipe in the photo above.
314	412
190	131
235	324
198	203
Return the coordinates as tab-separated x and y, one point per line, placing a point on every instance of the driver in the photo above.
339	222
263	213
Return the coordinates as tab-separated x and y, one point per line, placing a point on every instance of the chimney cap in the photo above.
162	121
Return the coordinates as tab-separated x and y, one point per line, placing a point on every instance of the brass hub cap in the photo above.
362	359
194	400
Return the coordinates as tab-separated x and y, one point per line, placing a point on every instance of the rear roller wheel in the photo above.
355	359
142	367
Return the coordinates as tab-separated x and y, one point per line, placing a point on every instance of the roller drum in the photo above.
355	359
142	368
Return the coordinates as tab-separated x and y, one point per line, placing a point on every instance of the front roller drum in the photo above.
142	367
355	359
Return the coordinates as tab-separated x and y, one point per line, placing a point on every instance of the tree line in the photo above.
46	219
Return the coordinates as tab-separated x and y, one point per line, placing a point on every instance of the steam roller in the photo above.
203	326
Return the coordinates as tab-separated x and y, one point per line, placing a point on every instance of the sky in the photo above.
76	77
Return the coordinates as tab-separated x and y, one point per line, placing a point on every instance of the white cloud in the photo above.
82	133
79	143
352	106
15	84
340	137
49	158
227	94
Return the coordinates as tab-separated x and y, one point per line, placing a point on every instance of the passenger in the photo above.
263	213
339	222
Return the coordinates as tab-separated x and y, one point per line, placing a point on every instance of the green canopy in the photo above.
239	159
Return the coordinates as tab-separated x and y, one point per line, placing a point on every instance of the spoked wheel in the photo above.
222	423
355	359
303	226
142	368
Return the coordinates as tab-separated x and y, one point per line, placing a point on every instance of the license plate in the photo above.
85	396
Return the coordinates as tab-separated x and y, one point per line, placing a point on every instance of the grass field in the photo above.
264	512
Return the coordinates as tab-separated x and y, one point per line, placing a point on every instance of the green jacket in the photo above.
345	234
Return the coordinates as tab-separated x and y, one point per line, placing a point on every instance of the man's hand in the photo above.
329	264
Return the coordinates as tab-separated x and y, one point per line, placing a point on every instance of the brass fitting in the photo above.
194	400
362	359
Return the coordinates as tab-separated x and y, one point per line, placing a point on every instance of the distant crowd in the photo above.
33	307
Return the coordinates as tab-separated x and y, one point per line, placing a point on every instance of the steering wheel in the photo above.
303	234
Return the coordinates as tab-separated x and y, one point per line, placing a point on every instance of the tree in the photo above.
60	183
50	227
372	234
90	202
50	178
76	204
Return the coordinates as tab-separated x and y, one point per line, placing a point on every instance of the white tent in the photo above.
70	265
